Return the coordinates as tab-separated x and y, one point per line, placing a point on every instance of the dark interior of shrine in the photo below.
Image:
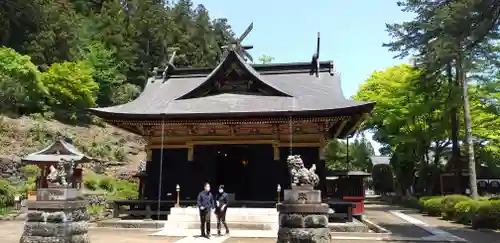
249	172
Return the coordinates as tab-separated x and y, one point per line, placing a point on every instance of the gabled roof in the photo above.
230	59
297	93
55	152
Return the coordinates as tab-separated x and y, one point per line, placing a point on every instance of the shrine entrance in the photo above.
232	171
248	172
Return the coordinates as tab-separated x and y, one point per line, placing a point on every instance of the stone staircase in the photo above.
265	219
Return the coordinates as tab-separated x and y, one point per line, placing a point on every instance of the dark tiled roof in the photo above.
55	152
308	94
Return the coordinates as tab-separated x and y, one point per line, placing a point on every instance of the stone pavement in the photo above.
385	215
458	230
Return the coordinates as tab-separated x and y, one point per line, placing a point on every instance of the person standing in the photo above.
205	203
220	210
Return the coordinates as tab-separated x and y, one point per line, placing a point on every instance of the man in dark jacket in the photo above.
220	210
205	203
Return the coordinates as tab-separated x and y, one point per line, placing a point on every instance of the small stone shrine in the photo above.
60	215
302	215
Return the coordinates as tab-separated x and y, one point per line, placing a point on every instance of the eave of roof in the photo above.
312	96
70	153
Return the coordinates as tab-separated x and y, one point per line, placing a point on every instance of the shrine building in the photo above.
235	125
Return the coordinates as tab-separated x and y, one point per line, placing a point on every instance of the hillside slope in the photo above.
119	151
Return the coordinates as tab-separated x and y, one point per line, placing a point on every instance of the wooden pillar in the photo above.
143	184
276	151
190	156
321	166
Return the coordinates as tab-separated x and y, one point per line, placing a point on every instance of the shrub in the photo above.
91	183
30	171
433	206
6	194
422	200
488	215
465	211
448	205
107	184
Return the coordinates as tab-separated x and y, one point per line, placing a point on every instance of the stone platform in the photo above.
237	219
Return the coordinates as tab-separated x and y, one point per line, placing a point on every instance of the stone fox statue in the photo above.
300	175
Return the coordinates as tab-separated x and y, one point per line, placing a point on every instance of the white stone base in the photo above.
181	220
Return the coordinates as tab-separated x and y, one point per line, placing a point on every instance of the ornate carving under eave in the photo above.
254	131
280	120
232	130
192	129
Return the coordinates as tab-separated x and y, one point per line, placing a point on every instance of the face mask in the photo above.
220	190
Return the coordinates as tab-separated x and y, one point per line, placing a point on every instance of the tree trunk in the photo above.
468	130
455	127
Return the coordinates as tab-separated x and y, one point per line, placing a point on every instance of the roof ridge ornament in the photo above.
315	60
236	46
169	66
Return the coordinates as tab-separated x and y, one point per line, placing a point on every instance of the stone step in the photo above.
230	210
229	218
139	224
232	225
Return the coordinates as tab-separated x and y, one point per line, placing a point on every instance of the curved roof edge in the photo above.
362	107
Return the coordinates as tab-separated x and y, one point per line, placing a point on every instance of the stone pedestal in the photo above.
56	221
303	217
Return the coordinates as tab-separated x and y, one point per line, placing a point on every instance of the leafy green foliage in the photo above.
466	210
449	202
356	156
71	86
488	215
108	47
411	123
21	88
30	171
433	206
6	194
456	40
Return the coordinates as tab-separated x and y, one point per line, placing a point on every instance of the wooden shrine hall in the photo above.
235	124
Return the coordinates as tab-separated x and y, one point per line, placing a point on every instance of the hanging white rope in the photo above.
290	131
161	167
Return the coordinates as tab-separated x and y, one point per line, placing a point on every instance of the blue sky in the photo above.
352	32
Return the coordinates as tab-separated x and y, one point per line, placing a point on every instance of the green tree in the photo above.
71	87
21	88
353	156
106	72
449	36
405	121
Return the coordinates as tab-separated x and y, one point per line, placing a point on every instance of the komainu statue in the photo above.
300	175
61	174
